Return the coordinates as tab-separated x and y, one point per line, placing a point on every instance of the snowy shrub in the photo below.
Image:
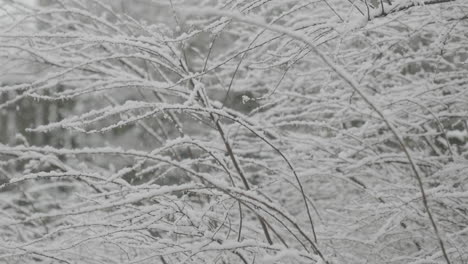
249	131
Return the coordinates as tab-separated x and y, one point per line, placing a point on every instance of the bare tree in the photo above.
234	132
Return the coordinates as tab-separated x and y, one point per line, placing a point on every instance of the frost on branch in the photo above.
233	131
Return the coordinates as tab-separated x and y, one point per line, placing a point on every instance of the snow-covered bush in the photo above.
248	131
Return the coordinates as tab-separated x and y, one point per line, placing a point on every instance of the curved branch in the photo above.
348	78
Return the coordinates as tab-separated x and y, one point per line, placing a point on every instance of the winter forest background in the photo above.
234	131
